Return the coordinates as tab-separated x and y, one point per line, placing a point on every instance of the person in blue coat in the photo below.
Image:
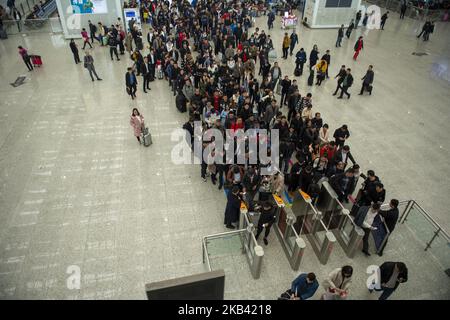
300	59
304	286
233	208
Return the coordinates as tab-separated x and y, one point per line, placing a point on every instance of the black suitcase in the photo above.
311	78
297	73
180	103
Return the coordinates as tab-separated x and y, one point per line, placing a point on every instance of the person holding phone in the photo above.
337	284
364	219
304	286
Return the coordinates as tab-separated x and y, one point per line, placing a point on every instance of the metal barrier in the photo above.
249	246
348	234
292	244
50	25
253	251
309	222
412	11
435	239
338	219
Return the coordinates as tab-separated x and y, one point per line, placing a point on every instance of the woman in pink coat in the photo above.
137	122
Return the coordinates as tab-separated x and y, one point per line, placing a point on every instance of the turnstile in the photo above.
291	242
308	221
337	218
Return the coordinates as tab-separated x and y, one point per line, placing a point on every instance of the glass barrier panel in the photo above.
418	223
347	229
224	245
55	24
440	249
290	239
251	252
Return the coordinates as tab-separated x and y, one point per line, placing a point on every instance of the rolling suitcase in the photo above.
146	137
311	78
36	60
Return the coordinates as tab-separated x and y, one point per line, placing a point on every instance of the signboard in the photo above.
132	13
89	6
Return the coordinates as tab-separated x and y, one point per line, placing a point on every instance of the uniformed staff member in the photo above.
266	219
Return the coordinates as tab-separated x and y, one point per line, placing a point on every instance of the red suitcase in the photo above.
36	60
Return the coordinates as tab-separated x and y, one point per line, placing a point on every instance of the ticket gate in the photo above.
338	219
308	221
252	250
291	242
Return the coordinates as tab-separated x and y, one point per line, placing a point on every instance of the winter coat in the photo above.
137	122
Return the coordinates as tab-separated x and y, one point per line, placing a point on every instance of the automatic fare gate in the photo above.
308	221
293	245
337	218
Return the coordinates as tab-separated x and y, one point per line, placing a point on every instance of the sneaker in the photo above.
229	226
349	95
339	97
204	179
265	241
99	79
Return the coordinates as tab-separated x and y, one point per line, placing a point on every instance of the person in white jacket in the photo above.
338	283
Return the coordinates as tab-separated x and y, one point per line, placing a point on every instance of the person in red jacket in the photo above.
359	45
216	101
239	124
328	150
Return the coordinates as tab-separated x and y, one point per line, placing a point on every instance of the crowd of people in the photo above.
209	58
338	283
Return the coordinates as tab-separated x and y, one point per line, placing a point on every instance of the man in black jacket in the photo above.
357	19
391	275
343	184
293	104
151	64
266	219
112	42
367	81
341	75
341	135
390	218
92	31
189	128
232	209
251	182
131	83
384	17
145	75
294	41
346	84
340	36
285	85
343	155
